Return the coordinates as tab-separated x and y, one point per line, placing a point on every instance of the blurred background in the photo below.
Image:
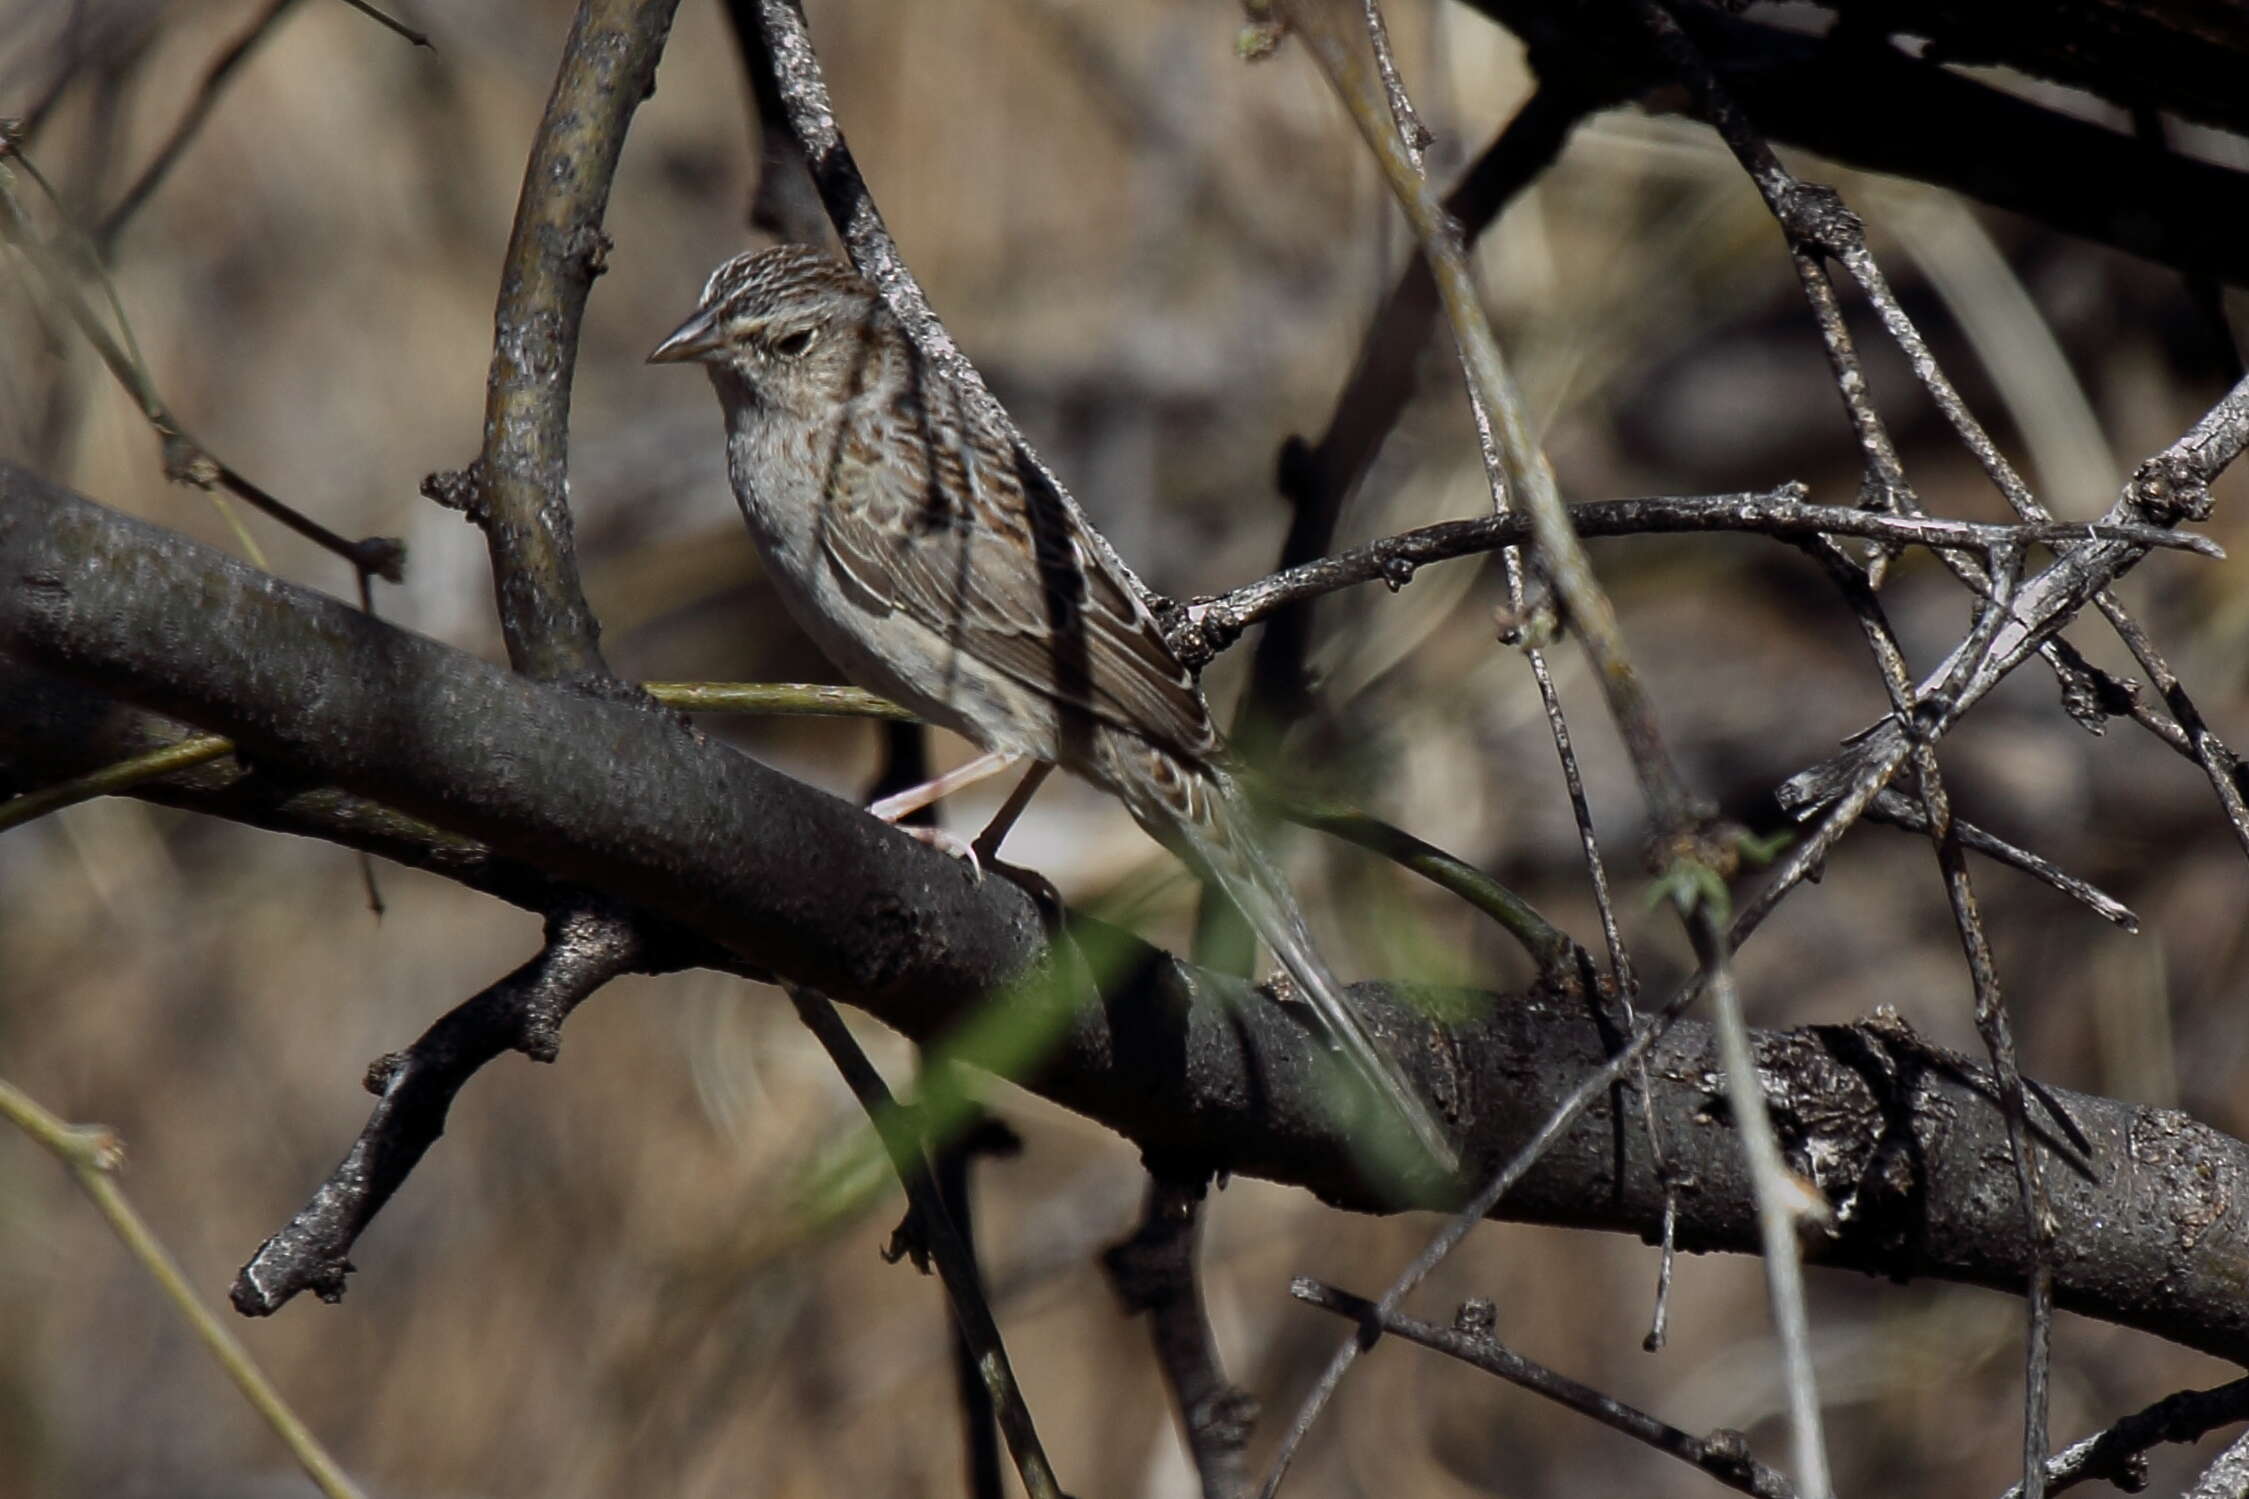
1164	259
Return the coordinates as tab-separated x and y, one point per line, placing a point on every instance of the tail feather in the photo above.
1221	840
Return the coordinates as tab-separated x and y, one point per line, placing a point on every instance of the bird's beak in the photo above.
697	338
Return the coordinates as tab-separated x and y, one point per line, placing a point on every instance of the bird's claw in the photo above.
950	843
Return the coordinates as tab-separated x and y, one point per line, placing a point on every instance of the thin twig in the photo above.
775	699
1412	134
950	1161
1999	1043
194	750
392	23
1785	1204
1724	1455
186	461
93	1154
1780	514
215	80
2218	762
1992	1026
1899	811
938	1236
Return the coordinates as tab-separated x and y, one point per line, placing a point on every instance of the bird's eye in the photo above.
796	344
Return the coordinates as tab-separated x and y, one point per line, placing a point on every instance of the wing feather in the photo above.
931	514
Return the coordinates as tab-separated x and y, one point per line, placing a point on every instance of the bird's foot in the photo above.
945	842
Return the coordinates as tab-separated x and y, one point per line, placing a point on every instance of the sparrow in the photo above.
935	565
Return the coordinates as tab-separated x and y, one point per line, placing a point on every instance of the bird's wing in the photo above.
932	514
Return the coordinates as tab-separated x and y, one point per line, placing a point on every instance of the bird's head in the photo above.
788	326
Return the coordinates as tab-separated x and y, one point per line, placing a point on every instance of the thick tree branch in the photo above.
1904	1141
1859	99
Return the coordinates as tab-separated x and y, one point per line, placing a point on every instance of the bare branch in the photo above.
391	23
1212	624
1724	1455
186	461
517	490
523	1012
2119	1454
777	876
1154	1274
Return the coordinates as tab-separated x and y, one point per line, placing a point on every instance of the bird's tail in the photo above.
1222	840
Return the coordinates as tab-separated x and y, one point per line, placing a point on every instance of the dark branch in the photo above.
522	1012
186	461
951	1155
1155	1275
2119	1454
784	204
1846	96
784	878
390	22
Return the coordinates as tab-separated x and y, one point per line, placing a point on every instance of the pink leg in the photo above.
914	798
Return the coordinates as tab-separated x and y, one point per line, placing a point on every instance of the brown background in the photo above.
605	1279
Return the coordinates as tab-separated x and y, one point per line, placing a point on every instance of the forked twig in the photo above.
415	1088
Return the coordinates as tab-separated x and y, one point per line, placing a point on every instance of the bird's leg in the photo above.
914	798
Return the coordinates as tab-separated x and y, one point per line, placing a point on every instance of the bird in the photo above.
933	563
